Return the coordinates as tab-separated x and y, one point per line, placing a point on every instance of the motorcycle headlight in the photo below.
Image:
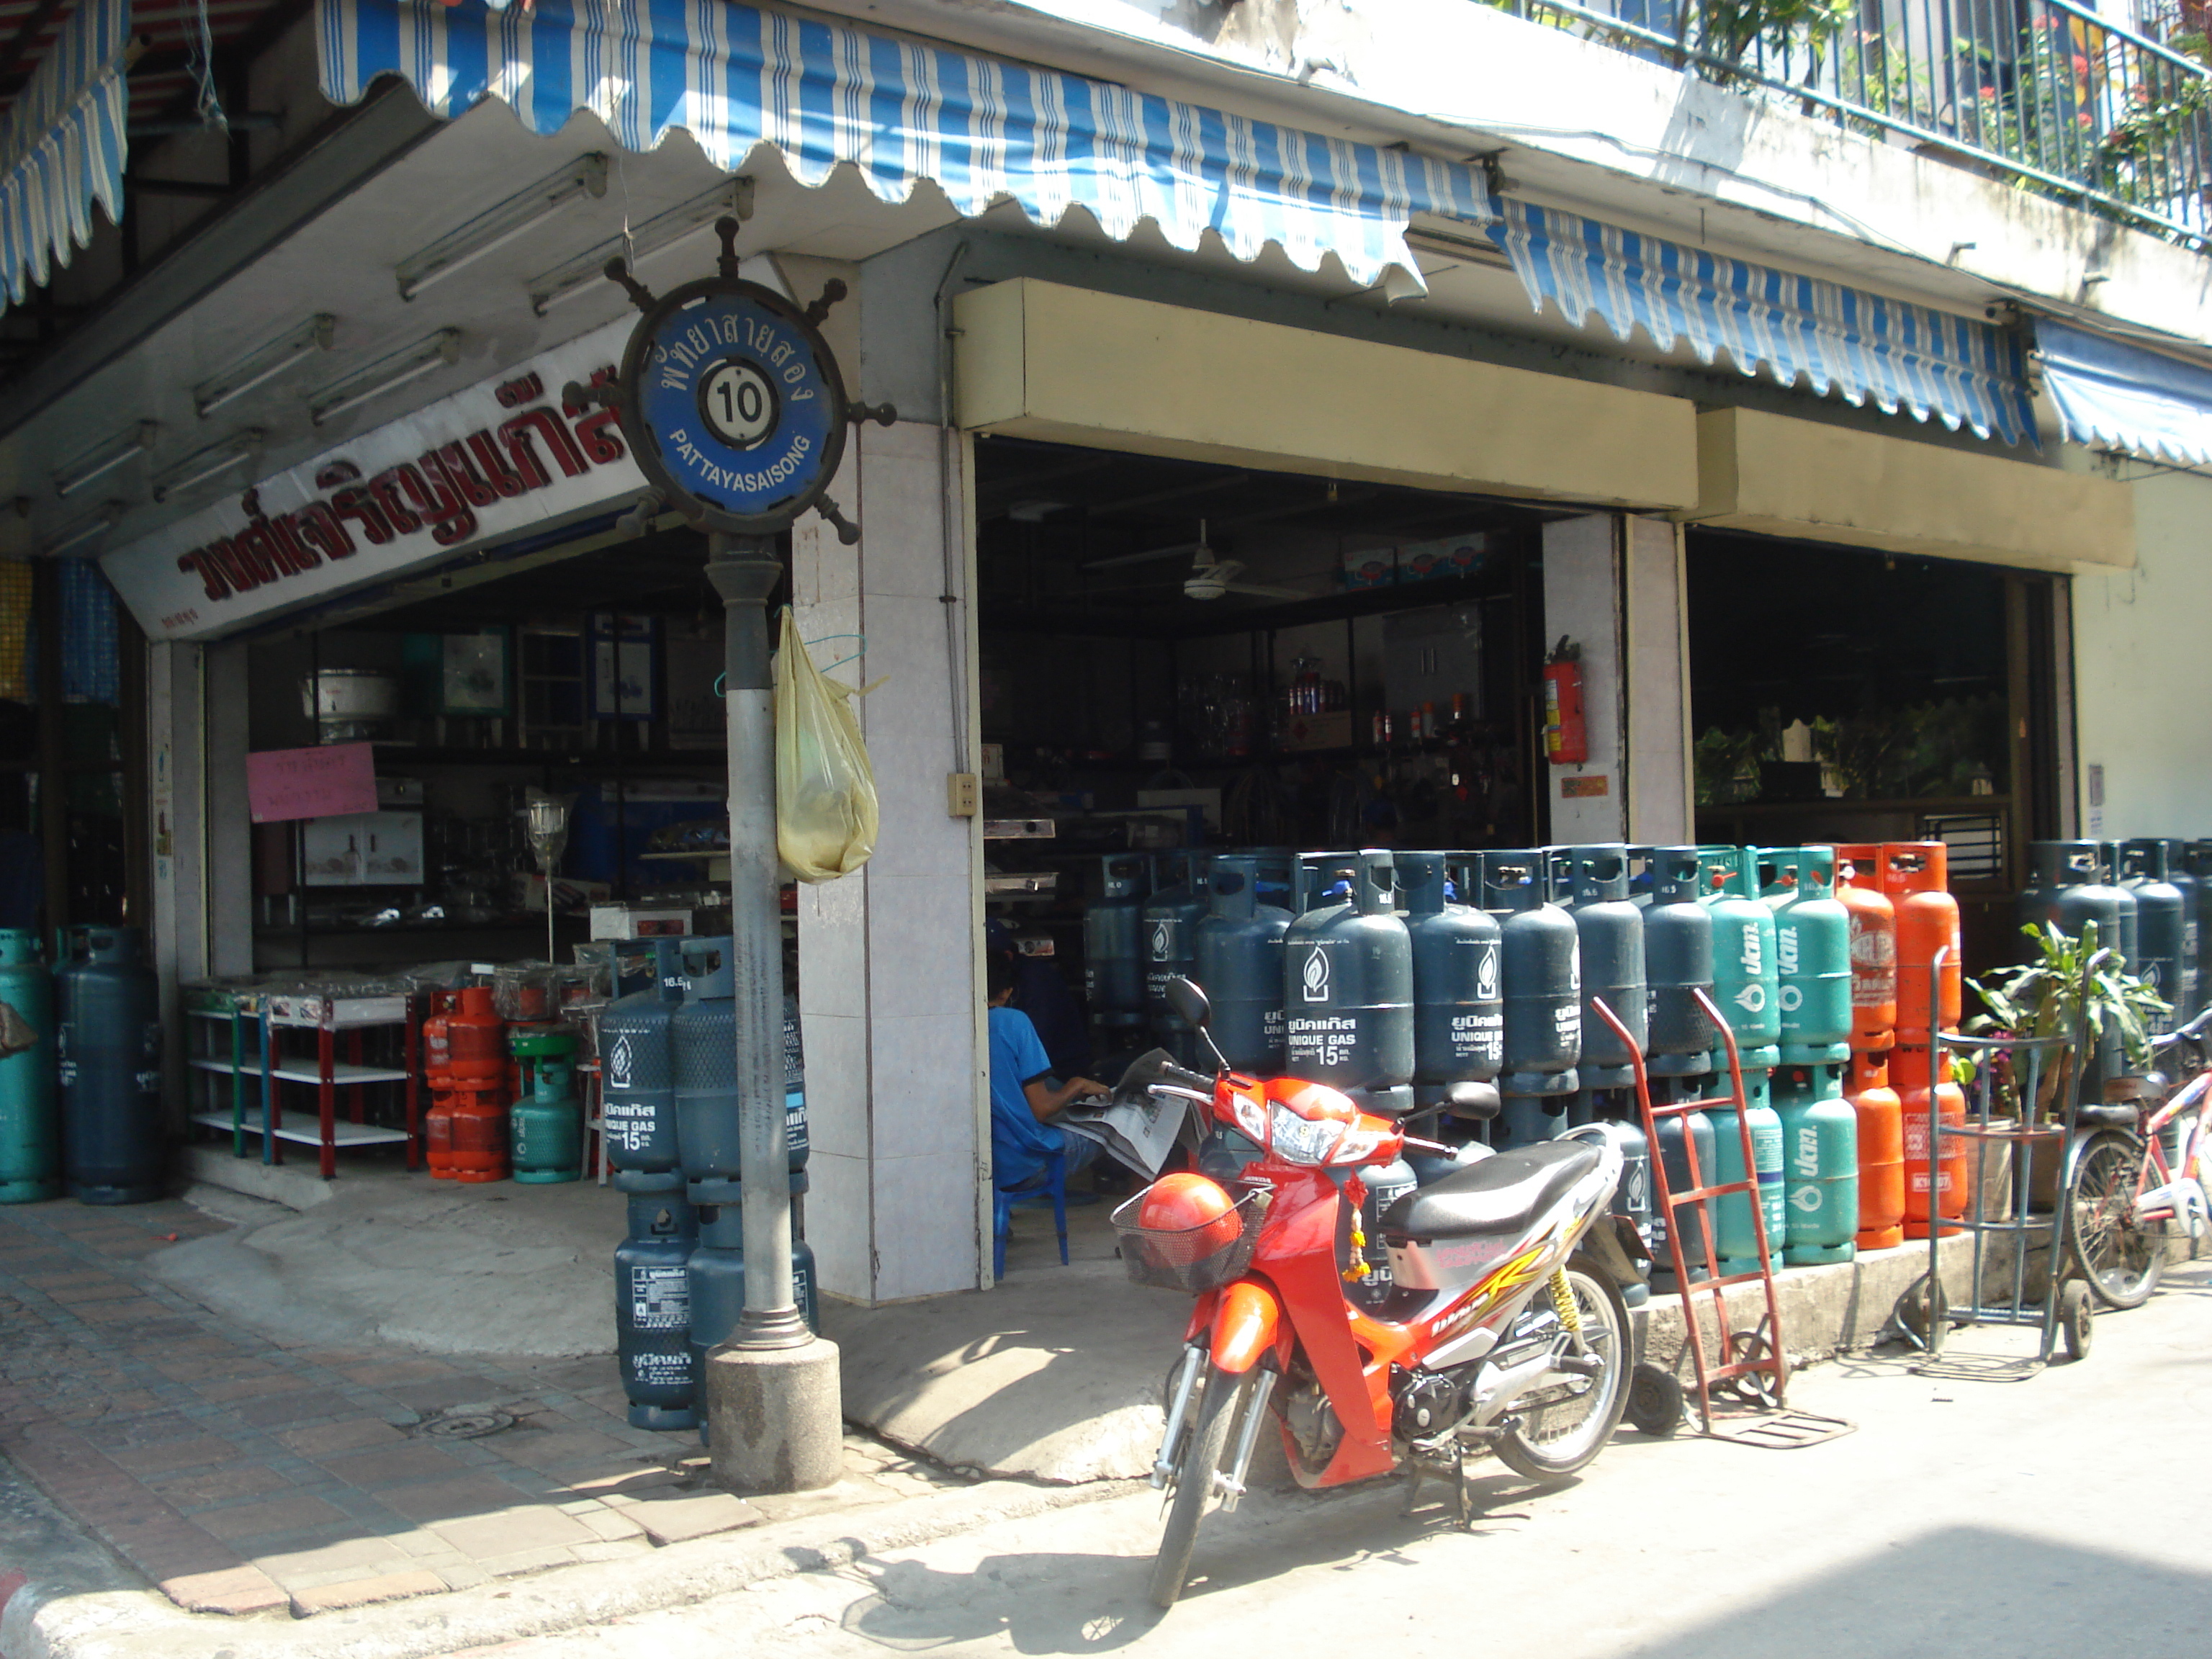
1304	1140
1251	1116
1358	1146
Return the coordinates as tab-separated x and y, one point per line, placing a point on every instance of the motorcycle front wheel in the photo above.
1203	1444
1561	1427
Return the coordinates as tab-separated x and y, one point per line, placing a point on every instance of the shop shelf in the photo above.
307	1132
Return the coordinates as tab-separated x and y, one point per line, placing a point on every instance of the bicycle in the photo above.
2124	1191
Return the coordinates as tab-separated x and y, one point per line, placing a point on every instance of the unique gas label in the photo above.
1314	975
656	1370
1320	1044
659	1298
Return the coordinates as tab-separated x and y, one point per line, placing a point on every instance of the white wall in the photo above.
1582	600
2141	712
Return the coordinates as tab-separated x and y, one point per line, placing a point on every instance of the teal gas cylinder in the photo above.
30	1125
1819	1165
1813	962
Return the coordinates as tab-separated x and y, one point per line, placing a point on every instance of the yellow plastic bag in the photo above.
825	791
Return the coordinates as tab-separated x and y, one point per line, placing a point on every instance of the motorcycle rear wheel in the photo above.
1203	1445
1537	1446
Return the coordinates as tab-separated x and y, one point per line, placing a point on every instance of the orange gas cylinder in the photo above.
476	1039
1881	1152
437	1135
1908	1070
1873	947
1916	876
437	1046
480	1133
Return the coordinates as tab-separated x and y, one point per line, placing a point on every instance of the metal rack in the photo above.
258	1069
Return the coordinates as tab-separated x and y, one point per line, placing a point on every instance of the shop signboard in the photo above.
503	457
283	784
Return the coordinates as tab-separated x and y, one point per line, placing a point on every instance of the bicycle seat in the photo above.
1500	1194
2108	1115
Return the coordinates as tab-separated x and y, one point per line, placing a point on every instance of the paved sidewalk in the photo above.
240	1474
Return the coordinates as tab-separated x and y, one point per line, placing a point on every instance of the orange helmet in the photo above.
1192	1205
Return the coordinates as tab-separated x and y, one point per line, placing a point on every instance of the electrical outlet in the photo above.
963	795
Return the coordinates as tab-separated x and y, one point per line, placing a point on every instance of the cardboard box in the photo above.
626	921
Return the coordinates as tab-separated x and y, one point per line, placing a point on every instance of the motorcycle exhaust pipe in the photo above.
1231	1484
1178	1409
1509	1386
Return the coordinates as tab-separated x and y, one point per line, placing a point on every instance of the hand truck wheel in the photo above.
1752	1387
1924	1313
2077	1317
1655	1399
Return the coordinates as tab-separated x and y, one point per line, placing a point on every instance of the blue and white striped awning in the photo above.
733	76
2112	395
1863	346
61	147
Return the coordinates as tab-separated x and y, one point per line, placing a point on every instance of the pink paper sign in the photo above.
311	783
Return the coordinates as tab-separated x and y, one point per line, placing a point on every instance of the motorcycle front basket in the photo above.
1188	1259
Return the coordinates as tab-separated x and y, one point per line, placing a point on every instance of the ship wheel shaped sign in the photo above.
732	402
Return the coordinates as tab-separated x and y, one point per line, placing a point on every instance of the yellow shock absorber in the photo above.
1563	1302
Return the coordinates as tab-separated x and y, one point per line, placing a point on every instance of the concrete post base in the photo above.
776	1418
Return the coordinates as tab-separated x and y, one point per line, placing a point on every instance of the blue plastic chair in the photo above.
1054	1186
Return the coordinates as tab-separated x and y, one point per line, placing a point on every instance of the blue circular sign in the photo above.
737	402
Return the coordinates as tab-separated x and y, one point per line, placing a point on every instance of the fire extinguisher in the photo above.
1566	736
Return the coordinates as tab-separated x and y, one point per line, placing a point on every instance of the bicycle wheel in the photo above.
1560	1428
1202	1447
2122	1259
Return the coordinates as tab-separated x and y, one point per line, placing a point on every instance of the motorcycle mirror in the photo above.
1188	1002
1477	1102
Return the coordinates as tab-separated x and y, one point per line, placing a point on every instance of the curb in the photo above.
39	1621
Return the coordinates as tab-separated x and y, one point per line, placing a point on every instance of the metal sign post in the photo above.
736	414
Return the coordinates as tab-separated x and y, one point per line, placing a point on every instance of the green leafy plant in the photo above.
2071	985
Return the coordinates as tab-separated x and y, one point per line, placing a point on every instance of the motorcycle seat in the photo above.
1500	1194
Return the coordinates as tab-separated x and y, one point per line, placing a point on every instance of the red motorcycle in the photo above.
1503	1325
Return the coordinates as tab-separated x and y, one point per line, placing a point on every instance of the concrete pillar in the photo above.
228	874
890	958
1612	584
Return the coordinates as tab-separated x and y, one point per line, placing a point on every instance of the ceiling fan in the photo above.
1211	576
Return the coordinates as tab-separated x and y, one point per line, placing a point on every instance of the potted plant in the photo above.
2071	986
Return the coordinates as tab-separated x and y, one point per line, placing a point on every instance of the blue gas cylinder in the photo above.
1734	1238
1677	962
1459	1007
1113	942
1631	1197
1348	993
653	1305
797	1144
1680	1134
637	1076
1385	1184
30	1128
703	1034
1609	934
1240	965
1819	1165
1169	926
1542	970
108	1049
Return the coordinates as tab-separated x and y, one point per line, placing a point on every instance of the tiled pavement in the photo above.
238	1474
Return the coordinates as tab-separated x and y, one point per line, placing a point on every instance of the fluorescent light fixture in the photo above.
86	530
211	462
655	236
103	458
584	176
385	374
264	364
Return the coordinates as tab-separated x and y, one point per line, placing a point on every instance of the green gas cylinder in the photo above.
30	1129
545	1125
1744	980
1734	1241
1813	961
1819	1163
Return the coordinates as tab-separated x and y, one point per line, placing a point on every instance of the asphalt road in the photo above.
1984	1508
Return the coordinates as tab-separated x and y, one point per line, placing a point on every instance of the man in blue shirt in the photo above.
1022	1099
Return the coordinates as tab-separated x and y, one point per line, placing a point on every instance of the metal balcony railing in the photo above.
2060	99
